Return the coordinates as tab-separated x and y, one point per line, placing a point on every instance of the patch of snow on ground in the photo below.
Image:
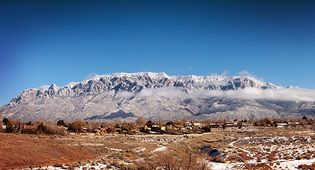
221	166
113	149
86	166
89	144
292	165
160	149
139	149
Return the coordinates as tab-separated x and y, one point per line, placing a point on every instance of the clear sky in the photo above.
57	41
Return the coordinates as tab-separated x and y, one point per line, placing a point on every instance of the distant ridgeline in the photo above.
157	96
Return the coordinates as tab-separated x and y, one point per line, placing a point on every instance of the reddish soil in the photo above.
22	151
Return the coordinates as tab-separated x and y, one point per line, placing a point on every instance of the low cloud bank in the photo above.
285	94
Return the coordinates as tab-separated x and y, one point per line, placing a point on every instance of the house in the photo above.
84	129
177	127
133	130
168	127
125	128
152	132
156	127
231	124
188	124
197	124
294	124
215	125
245	123
96	131
146	128
28	126
188	128
169	124
118	128
153	126
282	124
100	131
149	123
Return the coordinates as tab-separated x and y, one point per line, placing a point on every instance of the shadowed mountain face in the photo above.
115	115
155	96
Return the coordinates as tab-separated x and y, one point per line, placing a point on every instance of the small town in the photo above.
142	126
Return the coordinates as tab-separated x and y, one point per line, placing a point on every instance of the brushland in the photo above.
145	144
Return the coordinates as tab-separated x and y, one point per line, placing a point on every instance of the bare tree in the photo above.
224	125
240	124
141	121
182	158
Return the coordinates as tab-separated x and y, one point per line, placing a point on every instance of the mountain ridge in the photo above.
153	95
223	82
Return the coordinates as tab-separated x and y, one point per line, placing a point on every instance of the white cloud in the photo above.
91	75
285	94
225	73
246	73
163	92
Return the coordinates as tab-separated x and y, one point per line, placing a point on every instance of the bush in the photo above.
91	126
206	128
141	121
77	126
61	123
29	131
224	125
50	129
239	125
12	125
183	159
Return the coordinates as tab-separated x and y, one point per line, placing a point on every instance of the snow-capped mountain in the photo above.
153	95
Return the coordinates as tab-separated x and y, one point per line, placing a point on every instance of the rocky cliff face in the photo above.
153	95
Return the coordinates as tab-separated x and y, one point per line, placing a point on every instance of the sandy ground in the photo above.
20	151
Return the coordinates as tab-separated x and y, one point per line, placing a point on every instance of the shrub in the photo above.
61	123
240	124
92	126
50	129
77	126
183	159
12	125
29	131
224	125
110	129
141	121
207	128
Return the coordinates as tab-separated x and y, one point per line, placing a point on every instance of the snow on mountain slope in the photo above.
153	95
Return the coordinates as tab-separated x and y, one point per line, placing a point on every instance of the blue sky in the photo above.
44	42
